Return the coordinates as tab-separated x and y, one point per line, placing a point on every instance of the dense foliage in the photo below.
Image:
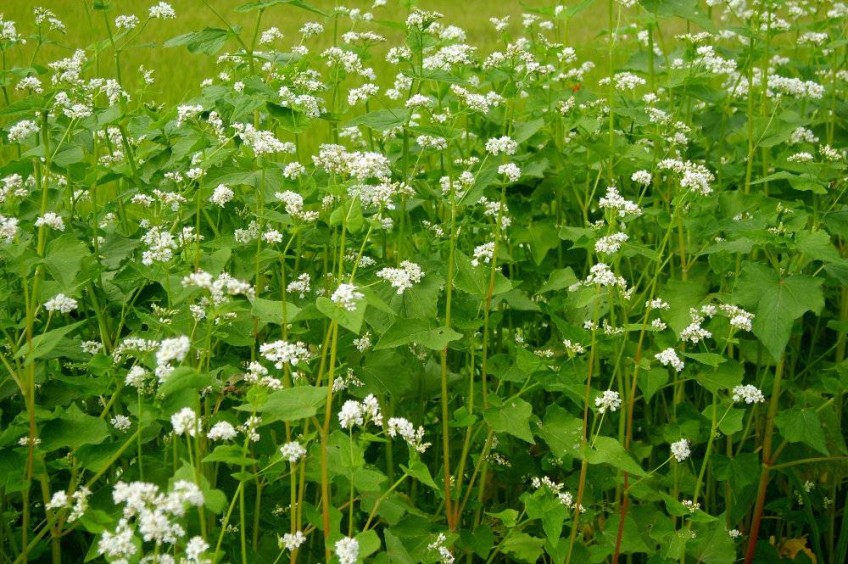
493	304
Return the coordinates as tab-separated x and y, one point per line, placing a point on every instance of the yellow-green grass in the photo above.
178	73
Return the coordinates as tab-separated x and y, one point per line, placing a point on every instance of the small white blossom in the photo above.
61	303
52	220
404	277
347	550
347	296
680	450
293	451
669	357
221	195
608	401
222	431
292	541
185	422
749	394
162	11
121	423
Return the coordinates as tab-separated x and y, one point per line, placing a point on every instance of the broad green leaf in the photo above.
405	331
559	280
651	381
289	404
63	259
265	4
607	450
723	377
185	377
229	454
522	547
420	472
512	418
273	311
72	429
208	41
43	345
778	302
350	320
289	119
562	431
712	544
382	120
369	543
802	425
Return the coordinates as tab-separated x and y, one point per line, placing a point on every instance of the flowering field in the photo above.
320	283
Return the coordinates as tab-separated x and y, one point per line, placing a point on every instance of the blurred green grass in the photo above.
179	73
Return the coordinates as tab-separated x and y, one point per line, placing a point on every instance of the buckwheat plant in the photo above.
342	282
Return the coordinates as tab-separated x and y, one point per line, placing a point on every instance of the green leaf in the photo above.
651	381
562	431
722	377
369	543
350	320
522	546
778	302
63	259
381	120
73	429
558	280
420	472
264	4
208	41
230	454
289	119
607	450
289	404
405	331
712	544
802	425
43	344
512	418
271	311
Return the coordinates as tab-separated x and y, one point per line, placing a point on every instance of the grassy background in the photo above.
178	73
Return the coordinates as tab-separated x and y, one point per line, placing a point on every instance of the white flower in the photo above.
222	431
8	228
300	286
284	352
292	541
347	296
611	243
121	423
608	401
669	357
734	533
162	11
347	550
642	177
21	130
404	277
58	501
398	426
61	303
483	253
195	547
749	394
501	146
172	349
221	195
185	422
293	451
51	220
127	22
270	35
680	450
614	201
511	171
